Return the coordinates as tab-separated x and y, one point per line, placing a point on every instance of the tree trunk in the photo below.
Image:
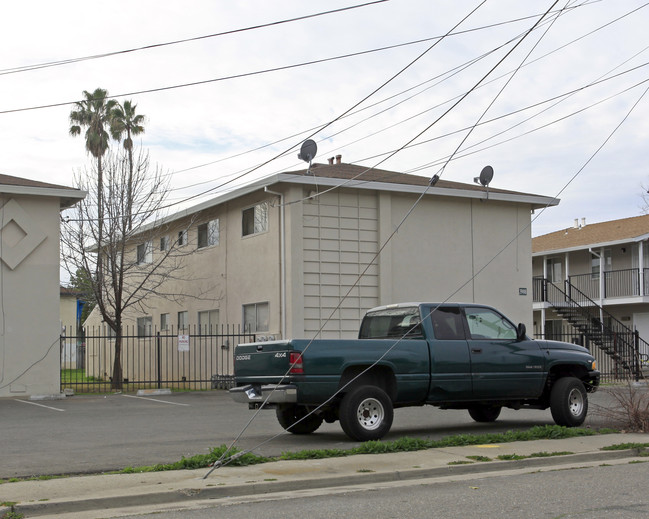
117	380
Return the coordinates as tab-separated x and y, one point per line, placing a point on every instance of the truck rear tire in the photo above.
485	414
366	413
288	416
569	402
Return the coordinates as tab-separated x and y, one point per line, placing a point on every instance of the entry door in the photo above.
502	366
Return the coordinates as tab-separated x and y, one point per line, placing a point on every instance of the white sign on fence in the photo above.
183	343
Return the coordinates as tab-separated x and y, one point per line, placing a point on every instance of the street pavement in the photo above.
95	434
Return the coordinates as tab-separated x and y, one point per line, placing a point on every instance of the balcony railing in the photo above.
617	283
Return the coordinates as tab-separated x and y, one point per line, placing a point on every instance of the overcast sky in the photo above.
542	114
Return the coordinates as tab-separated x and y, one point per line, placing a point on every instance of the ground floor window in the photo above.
208	321
182	320
144	325
256	317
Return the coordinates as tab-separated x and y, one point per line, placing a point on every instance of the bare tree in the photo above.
123	272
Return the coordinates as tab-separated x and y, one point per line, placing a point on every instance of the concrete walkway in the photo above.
94	496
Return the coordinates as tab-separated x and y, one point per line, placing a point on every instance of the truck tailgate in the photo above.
261	362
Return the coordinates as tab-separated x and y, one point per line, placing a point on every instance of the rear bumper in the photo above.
270	394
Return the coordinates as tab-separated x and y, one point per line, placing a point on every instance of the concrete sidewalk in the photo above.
84	497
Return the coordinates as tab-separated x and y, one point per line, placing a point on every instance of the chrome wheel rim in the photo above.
370	413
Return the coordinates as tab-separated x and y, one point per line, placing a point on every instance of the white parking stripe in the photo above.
155	400
40	405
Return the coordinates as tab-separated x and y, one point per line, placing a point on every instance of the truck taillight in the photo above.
295	358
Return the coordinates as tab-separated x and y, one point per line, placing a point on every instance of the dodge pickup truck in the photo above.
453	356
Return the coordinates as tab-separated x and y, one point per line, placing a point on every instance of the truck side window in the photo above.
447	324
487	324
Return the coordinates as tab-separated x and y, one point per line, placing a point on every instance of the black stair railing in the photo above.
610	335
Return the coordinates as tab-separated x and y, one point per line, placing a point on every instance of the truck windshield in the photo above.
392	323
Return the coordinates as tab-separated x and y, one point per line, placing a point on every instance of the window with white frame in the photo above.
145	252
164	243
164	322
144	325
256	317
254	220
208	233
182	320
182	237
208	321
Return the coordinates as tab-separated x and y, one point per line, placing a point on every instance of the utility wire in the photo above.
27	68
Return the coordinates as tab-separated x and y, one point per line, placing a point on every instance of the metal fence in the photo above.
191	358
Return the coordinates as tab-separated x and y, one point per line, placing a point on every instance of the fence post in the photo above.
159	356
636	354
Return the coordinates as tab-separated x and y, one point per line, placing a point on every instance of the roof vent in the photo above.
330	160
339	159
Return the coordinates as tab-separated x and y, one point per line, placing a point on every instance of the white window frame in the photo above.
211	233
182	238
208	320
183	320
259	324
164	243
164	322
145	326
259	219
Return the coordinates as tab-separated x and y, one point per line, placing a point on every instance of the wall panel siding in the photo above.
340	240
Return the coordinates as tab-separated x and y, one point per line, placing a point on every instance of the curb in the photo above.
188	495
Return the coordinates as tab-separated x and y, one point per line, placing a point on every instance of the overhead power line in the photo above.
27	68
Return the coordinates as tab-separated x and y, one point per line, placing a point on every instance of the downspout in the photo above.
282	258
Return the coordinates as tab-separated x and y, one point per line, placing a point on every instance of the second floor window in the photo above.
182	238
255	219
164	243
208	234
145	252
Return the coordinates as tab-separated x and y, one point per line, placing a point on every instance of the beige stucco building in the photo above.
29	284
305	254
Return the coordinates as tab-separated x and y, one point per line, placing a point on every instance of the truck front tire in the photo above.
366	413
569	402
289	417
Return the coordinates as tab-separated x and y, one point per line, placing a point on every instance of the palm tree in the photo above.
124	120
93	113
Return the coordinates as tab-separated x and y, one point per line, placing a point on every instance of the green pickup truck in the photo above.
454	356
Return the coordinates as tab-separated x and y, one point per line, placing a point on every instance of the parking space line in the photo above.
40	405
155	400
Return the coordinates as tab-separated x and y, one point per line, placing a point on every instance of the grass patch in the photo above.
236	458
625	446
460	462
479	458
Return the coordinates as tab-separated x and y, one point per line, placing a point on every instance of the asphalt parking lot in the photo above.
88	434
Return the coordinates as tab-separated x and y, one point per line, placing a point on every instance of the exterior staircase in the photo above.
616	340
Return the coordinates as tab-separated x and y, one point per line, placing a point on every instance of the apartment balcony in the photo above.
618	287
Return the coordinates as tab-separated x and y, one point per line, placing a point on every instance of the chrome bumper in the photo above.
270	394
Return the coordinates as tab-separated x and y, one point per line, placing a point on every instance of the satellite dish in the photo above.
486	175
307	151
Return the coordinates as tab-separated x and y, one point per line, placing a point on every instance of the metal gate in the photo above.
187	359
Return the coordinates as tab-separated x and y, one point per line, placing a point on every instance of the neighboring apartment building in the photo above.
306	254
29	284
602	268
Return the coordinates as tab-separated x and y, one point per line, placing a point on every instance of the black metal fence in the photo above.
191	358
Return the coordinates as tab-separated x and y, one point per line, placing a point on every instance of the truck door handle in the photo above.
476	350
260	347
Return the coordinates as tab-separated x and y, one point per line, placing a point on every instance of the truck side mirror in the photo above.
520	332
